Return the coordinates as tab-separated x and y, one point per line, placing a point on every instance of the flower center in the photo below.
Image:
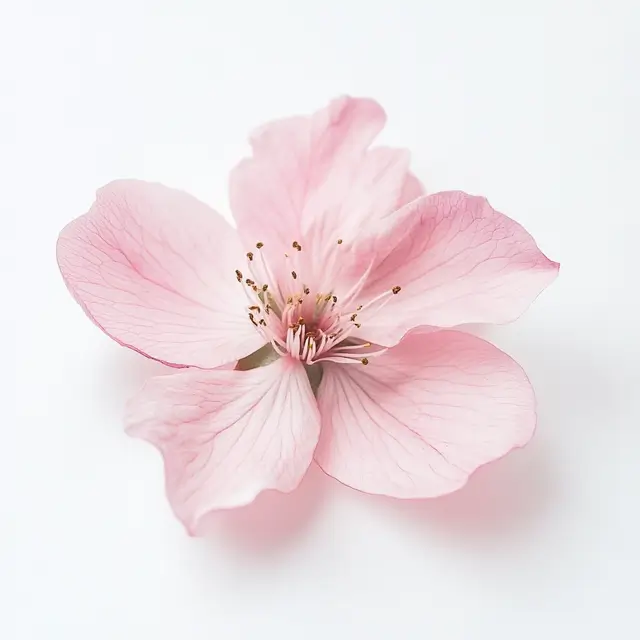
309	325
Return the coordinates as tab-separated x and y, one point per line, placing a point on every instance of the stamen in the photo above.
250	255
396	290
294	275
239	275
365	360
339	240
296	245
259	245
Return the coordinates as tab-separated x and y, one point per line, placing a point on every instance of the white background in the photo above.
533	104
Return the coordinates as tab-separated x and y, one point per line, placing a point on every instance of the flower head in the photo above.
335	298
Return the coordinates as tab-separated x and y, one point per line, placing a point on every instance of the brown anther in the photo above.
262	322
358	325
253	319
300	300
254	288
250	282
265	287
255	308
353	317
340	241
250	255
239	275
296	245
267	309
307	291
294	275
365	360
259	245
289	300
327	298
335	299
358	307
300	320
396	290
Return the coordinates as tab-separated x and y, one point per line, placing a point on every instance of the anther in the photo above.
365	360
358	325
296	245
253	319
239	275
396	290
300	320
359	307
265	287
255	308
250	282
353	317
290	300
294	275
335	299
259	245
340	241
307	291
250	255
262	322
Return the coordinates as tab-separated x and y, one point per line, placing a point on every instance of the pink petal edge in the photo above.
226	436
314	180
153	267
457	261
419	419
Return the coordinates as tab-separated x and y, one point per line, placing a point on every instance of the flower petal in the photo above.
154	268
417	420
457	261
226	436
312	179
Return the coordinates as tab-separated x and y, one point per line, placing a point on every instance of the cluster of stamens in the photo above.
302	324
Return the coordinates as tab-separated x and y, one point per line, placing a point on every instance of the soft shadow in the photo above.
500	500
122	373
273	521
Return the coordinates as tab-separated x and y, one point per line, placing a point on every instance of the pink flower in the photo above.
336	297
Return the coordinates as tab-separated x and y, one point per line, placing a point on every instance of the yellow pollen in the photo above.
327	298
396	290
365	360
